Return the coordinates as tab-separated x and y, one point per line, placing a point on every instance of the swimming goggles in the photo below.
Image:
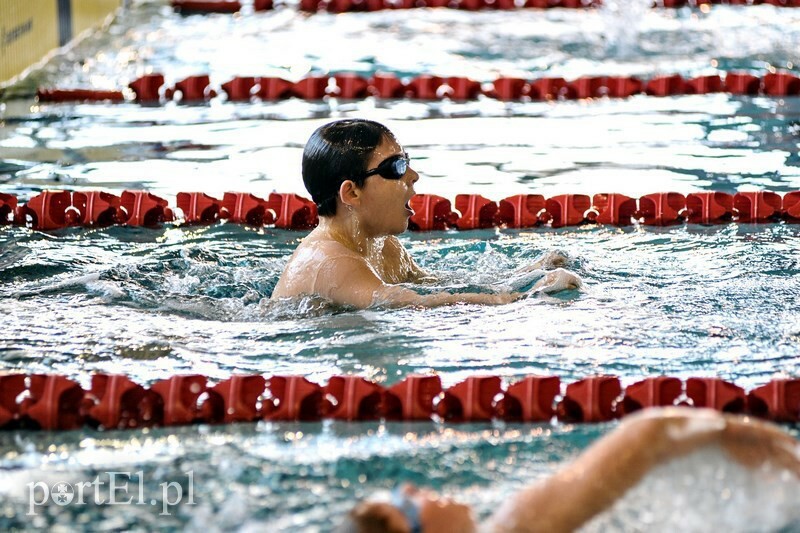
408	507
392	168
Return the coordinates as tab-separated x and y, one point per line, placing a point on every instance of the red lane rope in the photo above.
50	402
151	89
348	6
52	210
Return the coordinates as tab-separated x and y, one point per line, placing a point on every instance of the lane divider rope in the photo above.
348	6
151	89
54	210
54	402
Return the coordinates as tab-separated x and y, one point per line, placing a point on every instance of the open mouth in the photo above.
408	207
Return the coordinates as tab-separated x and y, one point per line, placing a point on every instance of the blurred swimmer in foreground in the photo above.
360	179
594	481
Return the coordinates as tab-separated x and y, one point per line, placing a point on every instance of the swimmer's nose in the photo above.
414	175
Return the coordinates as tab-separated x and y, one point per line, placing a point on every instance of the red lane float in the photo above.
293	211
293	398
457	88
103	209
208	6
8	206
568	209
115	402
412	398
709	207
471	400
350	86
666	86
354	398
78	95
651	392
150	89
311	88
431	212
273	89
592	399
199	208
352	6
778	400
532	399
188	400
50	210
476	212
145	209
424	87
739	83
791	206
522	211
781	84
509	89
662	209
716	394
55	402
12	389
240	89
387	86
761	206
552	89
614	209
246	208
240	397
192	89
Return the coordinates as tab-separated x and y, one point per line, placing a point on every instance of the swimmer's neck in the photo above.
350	233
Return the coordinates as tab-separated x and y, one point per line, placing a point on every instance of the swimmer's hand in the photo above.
546	261
557	280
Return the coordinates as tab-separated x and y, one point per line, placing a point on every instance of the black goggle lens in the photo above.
393	168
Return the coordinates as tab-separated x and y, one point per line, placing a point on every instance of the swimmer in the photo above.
594	481
360	178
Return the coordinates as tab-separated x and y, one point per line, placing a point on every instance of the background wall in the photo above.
30	29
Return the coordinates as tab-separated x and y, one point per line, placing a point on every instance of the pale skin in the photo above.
607	469
354	257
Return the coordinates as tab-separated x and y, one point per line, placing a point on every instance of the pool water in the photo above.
687	300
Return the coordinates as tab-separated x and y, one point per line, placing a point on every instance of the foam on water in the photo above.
706	492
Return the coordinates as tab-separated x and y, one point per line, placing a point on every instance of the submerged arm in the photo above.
349	280
619	460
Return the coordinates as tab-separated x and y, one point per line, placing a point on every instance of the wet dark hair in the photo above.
336	152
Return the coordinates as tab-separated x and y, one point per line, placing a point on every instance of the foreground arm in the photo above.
619	460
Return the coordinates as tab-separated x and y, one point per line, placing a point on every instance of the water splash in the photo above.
623	22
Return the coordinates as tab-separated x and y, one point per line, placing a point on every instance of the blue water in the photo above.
686	301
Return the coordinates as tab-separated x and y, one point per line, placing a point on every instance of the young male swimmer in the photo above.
360	179
594	481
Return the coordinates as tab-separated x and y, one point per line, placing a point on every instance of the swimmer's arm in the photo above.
349	281
618	461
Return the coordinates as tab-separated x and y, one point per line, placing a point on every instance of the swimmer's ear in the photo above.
350	193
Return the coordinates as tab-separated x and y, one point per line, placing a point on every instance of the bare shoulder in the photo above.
308	260
331	270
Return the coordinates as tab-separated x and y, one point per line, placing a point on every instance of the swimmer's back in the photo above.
312	260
